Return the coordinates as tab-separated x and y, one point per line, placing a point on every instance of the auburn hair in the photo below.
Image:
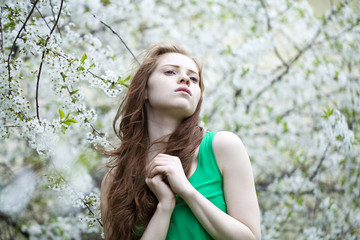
131	203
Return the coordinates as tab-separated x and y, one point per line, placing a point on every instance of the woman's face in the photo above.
173	88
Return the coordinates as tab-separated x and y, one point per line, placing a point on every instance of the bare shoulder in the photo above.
108	177
105	188
226	139
229	150
225	143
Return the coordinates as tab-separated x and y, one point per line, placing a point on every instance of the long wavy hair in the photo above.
131	203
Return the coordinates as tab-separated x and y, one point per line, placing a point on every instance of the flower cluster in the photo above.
337	130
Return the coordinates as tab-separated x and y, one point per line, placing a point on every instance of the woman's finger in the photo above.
159	170
155	163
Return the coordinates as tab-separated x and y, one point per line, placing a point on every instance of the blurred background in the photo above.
283	75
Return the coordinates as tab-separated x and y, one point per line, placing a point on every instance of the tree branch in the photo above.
84	202
269	28
79	111
264	89
118	37
267	15
295	108
53	13
89	209
43	18
295	58
317	170
103	79
14	42
262	186
279	56
300	191
42	61
335	37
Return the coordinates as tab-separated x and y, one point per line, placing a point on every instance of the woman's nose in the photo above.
184	78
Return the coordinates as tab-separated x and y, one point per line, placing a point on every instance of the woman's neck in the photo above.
160	128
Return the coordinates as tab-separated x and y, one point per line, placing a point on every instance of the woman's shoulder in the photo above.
228	149
227	140
108	177
105	186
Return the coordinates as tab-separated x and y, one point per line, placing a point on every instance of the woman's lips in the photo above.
184	89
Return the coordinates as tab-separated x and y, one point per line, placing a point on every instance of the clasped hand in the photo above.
167	167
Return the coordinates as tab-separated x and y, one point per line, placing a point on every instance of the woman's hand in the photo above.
171	168
159	223
162	191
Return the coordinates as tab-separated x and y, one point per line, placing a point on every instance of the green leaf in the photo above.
63	128
339	138
83	58
327	113
244	71
300	201
63	75
73	92
127	79
123	82
285	127
301	13
61	113
69	121
66	122
228	50
269	109
205	119
316	62
72	120
105	2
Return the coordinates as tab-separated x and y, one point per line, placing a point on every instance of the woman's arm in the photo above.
243	218
159	224
104	193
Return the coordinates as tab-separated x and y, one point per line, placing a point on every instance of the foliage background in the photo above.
286	81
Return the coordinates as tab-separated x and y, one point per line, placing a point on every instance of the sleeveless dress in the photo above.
206	179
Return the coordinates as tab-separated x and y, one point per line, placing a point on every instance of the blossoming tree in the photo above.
285	81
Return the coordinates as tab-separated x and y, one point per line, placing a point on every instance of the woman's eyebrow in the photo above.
177	66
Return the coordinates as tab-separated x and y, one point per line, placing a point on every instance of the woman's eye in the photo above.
194	79
169	72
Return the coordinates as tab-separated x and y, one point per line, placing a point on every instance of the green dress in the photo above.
207	179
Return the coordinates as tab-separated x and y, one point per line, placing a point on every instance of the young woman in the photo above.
169	179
